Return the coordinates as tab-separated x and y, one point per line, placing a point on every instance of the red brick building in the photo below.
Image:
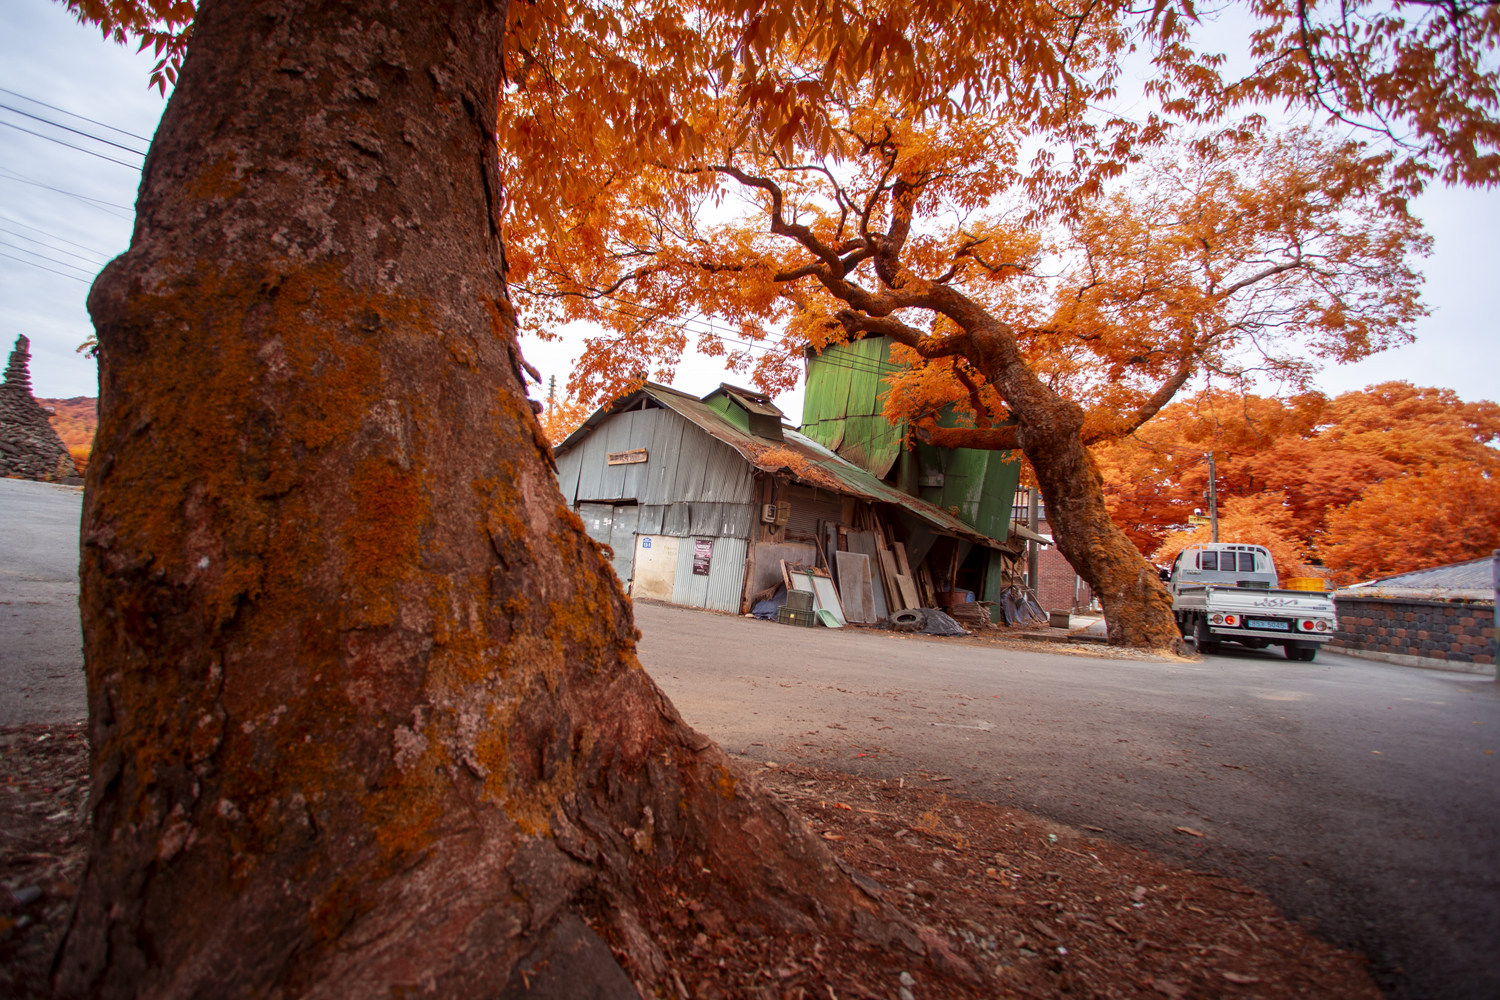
1058	587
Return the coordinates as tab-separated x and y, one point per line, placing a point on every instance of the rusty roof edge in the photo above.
610	409
876	490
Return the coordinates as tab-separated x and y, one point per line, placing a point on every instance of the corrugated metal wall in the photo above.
720	589
809	507
613	525
979	486
690	486
843	404
683	464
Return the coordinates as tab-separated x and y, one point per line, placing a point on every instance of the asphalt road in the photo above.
41	648
1361	796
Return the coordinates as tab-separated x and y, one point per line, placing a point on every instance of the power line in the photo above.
75	131
34	264
51	235
97	202
36	253
70	253
49	138
74	114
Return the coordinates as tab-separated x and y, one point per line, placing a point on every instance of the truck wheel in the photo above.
1305	654
1204	639
1309	654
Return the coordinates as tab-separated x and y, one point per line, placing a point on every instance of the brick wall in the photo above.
1442	633
1055	586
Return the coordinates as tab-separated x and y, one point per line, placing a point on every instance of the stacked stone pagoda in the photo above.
29	446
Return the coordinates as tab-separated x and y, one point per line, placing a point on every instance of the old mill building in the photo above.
702	499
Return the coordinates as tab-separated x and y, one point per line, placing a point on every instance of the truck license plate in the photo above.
1264	623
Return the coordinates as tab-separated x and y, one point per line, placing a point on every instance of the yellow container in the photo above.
1303	583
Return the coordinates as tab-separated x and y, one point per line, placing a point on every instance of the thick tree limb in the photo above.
779	225
983	438
923	343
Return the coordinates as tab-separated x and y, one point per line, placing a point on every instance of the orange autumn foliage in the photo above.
1256	520
1319	458
1445	514
74	419
562	417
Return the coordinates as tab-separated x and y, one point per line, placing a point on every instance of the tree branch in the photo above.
1001	438
888	326
779	225
1097	427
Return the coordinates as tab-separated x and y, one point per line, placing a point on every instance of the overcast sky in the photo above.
65	211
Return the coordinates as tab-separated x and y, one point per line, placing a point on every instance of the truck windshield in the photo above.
1227	562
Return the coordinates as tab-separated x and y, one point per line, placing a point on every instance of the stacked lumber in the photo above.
973	614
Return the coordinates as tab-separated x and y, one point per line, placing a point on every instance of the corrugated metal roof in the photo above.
1471	581
1471	575
796	454
755	402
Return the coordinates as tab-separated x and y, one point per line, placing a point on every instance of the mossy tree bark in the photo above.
364	705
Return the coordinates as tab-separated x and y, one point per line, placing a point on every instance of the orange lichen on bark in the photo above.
290	386
404	814
216	180
382	537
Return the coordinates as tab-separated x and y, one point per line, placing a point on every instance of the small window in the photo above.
1209	560
1247	562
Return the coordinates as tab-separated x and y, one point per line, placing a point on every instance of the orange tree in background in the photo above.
561	417
1255	520
1318	458
1444	514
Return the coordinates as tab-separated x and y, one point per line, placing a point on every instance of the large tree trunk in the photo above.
1137	608
364	705
1049	429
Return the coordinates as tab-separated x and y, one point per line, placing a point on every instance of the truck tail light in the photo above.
1307	625
1231	620
1216	620
1322	626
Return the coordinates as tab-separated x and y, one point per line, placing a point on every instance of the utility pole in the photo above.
551	391
1033	549
1213	498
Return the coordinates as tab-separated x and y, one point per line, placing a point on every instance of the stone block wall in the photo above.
1444	634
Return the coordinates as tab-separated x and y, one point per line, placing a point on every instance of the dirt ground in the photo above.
1003	904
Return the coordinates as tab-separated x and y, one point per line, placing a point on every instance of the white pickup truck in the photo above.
1227	592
